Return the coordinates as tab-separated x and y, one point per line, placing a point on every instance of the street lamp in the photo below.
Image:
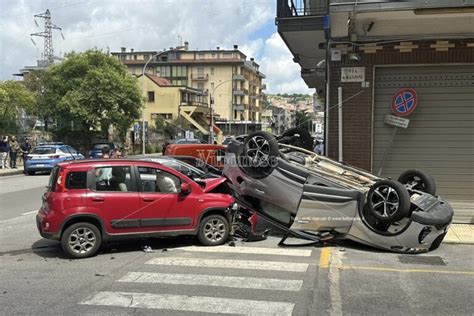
211	130
143	111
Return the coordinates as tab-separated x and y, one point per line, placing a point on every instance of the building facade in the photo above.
231	83
369	51
171	102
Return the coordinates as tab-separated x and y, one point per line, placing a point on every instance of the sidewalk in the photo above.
460	234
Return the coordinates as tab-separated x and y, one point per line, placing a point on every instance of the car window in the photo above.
113	179
157	180
76	180
44	150
71	150
102	146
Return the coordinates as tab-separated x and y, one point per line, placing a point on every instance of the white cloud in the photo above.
149	25
277	63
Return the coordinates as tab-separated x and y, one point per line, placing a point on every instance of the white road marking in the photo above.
251	250
213	280
202	304
334	284
28	213
231	264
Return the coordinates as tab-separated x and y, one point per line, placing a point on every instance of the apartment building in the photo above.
168	101
231	83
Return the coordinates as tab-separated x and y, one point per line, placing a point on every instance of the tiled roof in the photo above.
162	82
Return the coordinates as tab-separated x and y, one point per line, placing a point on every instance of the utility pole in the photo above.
47	36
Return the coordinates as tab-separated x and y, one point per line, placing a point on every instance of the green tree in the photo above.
91	91
169	130
14	98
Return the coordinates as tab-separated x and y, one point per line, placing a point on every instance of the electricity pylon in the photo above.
47	36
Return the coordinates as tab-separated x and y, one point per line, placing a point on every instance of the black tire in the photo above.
421	181
213	230
388	201
259	155
303	140
78	248
30	173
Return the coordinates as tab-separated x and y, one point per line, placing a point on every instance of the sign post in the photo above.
403	104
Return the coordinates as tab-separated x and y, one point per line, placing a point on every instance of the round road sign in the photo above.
404	102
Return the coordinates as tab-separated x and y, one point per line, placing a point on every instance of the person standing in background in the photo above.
14	149
4	150
25	150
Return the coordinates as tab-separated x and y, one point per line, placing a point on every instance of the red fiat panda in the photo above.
88	202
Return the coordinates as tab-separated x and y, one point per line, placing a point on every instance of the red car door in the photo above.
113	196
163	207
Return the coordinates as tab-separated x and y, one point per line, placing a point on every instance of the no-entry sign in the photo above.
404	102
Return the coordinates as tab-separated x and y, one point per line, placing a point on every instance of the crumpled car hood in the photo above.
213	183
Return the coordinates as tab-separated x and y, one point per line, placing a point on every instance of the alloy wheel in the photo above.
214	230
258	150
385	201
82	240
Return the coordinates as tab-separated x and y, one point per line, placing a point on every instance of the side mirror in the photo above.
185	188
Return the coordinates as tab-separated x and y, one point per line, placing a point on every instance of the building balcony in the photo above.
301	8
200	77
254	97
238	77
239	92
239	107
194	103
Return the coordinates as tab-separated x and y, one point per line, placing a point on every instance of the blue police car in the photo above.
45	156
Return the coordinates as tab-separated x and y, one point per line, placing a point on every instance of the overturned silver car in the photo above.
316	198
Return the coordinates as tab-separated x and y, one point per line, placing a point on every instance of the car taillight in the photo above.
60	182
54	157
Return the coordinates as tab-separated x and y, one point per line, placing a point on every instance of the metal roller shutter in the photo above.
440	137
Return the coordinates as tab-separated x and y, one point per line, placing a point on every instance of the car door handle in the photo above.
98	199
259	191
148	199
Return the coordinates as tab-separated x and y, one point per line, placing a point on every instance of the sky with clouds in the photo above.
151	25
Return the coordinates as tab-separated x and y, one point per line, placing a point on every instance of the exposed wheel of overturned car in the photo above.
260	151
388	201
418	180
298	137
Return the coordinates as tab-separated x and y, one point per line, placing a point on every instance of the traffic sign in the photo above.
396	121
404	102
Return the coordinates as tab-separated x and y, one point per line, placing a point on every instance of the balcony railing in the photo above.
199	76
238	77
239	107
194	103
292	8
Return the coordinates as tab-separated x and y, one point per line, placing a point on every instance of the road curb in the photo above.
10	172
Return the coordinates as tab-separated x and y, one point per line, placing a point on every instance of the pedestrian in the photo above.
319	148
25	150
4	150
14	150
106	152
116	153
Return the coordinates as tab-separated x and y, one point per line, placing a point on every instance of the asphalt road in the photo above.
181	278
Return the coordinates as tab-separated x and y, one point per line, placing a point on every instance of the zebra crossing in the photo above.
276	272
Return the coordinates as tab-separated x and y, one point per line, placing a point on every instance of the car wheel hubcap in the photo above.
258	150
214	230
385	201
82	240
